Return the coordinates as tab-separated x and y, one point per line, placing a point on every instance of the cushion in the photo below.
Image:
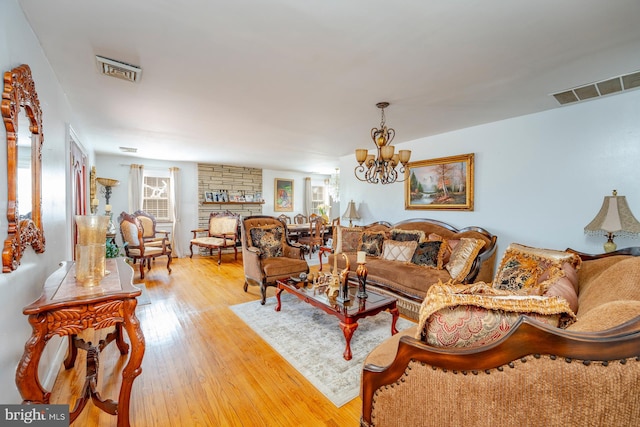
463	256
223	225
268	239
371	242
398	250
526	270
406	235
347	239
563	288
448	245
428	254
471	326
440	318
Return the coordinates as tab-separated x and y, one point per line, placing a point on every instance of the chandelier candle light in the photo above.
381	168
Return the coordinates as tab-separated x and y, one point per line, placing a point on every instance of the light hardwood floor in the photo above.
203	366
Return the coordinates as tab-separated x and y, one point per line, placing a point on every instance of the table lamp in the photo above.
614	217
351	213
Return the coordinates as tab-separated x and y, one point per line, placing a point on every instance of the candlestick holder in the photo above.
361	272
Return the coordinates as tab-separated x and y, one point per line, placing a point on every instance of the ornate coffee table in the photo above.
348	313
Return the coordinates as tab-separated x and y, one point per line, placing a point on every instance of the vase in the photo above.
91	249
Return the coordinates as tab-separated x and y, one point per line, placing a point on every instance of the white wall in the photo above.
18	45
117	167
539	179
268	183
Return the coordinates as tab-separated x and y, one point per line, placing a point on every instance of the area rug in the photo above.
312	341
144	296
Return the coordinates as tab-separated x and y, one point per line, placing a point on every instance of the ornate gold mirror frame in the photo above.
20	94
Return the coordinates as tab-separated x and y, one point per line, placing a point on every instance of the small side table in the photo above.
65	309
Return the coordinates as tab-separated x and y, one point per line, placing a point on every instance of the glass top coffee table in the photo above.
348	313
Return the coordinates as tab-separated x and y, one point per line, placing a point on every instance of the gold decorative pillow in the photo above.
398	251
462	257
530	271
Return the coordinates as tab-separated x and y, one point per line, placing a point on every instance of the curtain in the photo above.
308	208
136	187
174	198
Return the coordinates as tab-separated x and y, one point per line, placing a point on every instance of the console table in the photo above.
65	309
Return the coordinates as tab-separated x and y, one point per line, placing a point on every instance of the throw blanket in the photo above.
448	295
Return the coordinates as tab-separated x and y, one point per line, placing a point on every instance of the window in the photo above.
318	200
156	197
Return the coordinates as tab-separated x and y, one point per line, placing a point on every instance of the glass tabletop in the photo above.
354	306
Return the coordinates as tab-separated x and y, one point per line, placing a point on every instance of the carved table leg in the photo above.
133	368
394	312
27	372
279	304
72	352
348	329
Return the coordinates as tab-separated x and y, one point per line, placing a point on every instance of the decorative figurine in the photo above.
361	272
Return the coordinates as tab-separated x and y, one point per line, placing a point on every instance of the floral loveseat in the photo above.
537	373
406	258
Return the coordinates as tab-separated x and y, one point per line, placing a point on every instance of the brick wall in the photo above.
233	179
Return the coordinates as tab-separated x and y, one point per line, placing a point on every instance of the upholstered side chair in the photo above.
150	234
268	254
134	246
222	233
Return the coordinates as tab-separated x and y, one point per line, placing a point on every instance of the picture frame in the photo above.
283	195
208	196
248	197
444	183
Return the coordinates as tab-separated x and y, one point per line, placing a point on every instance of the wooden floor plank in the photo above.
203	366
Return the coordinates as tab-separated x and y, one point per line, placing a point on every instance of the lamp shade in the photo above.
351	213
614	217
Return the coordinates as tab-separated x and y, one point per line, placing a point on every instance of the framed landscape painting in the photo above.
283	195
445	183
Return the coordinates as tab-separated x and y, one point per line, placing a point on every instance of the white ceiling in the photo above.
292	84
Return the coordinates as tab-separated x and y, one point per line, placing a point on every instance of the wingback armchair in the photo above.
268	254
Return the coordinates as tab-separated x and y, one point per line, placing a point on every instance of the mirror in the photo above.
23	122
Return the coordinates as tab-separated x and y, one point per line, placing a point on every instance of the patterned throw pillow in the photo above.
530	271
471	326
347	238
371	242
398	251
401	235
462	257
428	254
268	239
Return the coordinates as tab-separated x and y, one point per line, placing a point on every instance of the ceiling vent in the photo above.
117	69
601	88
128	149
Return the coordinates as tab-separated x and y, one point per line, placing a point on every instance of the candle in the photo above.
361	257
107	208
94	202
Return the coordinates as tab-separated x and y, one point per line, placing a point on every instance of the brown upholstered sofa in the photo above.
585	375
408	281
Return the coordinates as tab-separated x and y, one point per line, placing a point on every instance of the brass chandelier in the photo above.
381	168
